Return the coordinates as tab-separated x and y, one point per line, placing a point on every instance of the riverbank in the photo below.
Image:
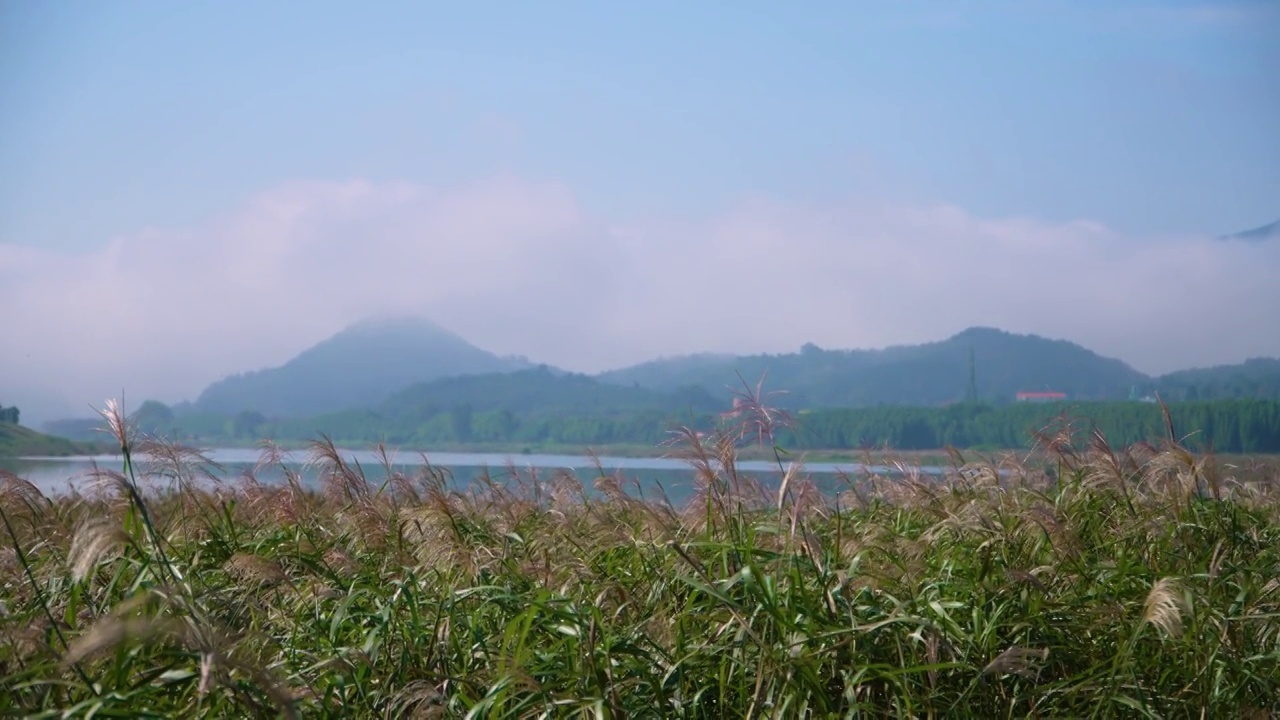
19	441
636	450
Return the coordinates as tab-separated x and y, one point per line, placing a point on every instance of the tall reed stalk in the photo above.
1102	582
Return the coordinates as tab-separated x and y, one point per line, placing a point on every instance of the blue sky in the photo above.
155	154
1148	117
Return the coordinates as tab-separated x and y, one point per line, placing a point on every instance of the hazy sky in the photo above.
193	189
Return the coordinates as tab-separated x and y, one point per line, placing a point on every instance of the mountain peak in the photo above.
1258	234
978	332
397	323
360	365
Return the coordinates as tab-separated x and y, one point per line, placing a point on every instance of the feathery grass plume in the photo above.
1017	660
127	480
689	445
1175	470
340	562
520	591
707	503
270	455
131	624
254	569
117	427
418	700
391	476
258	503
114	631
568	493
1060	530
182	465
404	490
36	589
752	417
95	539
610	486
1057	440
370	522
336	475
26	512
1165	605
109	483
16	492
1028	577
1105	469
438	531
273	457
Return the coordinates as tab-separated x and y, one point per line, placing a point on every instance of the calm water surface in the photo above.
58	475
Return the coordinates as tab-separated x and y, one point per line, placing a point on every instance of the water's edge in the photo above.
65	474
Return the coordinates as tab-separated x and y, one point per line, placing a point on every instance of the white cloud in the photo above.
162	313
774	276
520	266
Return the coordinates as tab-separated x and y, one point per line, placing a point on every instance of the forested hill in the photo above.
1230	426
19	441
1233	426
930	374
1257	379
486	408
357	368
386	373
541	391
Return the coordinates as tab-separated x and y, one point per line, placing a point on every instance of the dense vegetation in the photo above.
1232	426
1258	379
19	441
574	413
1134	583
928	374
540	391
408	381
937	373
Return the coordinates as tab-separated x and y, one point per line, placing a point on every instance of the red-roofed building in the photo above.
1047	396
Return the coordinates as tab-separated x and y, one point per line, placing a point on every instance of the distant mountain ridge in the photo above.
541	391
1259	234
1253	378
358	367
407	365
927	374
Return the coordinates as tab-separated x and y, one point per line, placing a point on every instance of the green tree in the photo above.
153	417
461	417
247	423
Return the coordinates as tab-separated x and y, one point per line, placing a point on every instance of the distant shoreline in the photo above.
937	456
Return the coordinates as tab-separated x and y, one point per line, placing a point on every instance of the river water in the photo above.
650	474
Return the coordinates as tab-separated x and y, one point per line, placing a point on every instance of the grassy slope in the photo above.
19	441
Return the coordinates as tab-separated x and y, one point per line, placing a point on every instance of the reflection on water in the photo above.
649	477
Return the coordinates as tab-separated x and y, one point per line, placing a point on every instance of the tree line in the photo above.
1230	426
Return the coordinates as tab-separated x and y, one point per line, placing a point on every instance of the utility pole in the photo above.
972	399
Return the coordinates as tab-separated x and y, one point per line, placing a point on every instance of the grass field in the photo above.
1142	582
19	441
